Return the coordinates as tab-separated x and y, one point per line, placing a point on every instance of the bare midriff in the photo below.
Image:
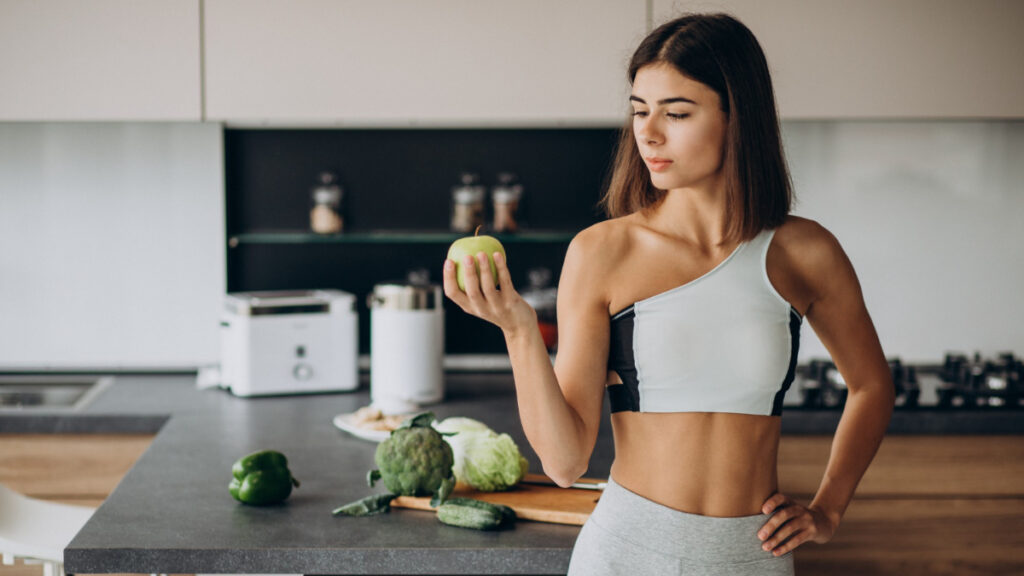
707	463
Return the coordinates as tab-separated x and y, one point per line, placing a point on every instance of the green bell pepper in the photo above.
261	478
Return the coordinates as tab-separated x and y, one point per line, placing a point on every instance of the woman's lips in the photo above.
657	164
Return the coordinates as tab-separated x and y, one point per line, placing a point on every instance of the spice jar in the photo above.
467	204
325	217
505	197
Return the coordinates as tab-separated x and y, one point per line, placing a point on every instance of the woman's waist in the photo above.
696	491
710	465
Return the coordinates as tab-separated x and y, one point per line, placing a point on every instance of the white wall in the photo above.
932	216
112	237
111	244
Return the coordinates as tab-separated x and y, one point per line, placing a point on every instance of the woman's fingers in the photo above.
471	280
790	525
780	512
486	276
504	276
782	534
776	500
451	285
792	543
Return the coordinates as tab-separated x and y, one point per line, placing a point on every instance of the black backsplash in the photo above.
401	179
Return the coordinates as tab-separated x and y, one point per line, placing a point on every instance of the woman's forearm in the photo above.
857	438
552	426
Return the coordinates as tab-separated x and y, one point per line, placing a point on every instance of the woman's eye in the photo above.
642	113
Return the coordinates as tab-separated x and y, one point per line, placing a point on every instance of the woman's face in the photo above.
679	127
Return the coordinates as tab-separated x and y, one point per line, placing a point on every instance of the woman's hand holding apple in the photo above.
501	305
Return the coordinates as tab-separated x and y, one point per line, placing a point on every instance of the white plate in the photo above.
347	423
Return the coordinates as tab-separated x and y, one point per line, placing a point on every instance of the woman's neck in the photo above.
692	215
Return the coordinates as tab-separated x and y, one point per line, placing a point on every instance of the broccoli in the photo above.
415	461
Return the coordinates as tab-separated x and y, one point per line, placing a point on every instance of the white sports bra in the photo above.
725	342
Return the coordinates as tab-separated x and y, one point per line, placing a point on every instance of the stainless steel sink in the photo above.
19	393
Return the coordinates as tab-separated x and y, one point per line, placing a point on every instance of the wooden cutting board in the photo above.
530	501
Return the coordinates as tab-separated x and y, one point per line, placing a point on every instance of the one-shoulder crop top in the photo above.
725	342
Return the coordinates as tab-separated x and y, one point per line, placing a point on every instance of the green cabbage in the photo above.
484	459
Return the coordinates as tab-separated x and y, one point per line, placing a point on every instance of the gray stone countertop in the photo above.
172	512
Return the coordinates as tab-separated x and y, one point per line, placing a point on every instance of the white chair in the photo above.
38	531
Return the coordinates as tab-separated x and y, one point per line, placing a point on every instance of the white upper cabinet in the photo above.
107	60
483	62
885	58
411	62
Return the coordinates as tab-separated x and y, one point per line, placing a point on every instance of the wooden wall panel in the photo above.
927	536
914	466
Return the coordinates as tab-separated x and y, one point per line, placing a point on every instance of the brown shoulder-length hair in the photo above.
718	51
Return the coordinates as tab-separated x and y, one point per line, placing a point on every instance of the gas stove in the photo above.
959	383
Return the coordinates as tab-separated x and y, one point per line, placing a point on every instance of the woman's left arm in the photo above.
842	323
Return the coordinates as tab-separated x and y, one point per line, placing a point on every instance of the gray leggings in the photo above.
630	535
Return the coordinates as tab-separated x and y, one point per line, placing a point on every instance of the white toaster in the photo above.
289	342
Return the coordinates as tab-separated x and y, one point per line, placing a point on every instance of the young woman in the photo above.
686	307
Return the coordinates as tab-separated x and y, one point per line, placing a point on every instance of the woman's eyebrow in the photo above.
663	101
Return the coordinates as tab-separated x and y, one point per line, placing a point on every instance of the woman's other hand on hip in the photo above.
791	524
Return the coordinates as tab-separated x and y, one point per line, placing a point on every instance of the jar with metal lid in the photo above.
467	204
325	216
406	345
505	197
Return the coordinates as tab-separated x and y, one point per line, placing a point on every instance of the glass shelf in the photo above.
392	237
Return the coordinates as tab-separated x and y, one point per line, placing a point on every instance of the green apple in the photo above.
473	245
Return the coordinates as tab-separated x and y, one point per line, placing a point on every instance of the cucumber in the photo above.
475	514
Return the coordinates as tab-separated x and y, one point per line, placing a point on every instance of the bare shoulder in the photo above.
594	254
814	253
798	233
602	244
807	242
604	234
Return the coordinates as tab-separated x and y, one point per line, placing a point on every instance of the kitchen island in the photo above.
172	513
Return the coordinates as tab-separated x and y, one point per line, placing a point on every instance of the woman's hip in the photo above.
628	533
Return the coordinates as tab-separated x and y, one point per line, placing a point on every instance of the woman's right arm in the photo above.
560	406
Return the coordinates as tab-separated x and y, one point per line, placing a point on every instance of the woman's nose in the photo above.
648	132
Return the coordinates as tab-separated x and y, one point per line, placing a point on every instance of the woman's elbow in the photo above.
564	475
